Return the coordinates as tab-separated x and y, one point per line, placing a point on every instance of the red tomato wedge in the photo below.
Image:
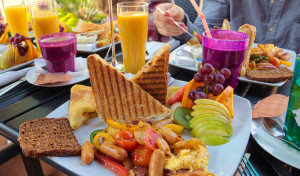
125	139
177	97
151	138
111	165
141	155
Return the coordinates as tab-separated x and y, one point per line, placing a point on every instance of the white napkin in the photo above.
80	67
12	76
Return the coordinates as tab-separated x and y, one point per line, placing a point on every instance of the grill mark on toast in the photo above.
105	104
119	95
113	114
133	97
128	114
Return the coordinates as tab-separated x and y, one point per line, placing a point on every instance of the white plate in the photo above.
224	159
274	146
17	67
292	59
32	75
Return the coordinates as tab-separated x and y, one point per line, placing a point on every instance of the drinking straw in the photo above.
202	18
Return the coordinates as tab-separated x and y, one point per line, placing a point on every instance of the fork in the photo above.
11	86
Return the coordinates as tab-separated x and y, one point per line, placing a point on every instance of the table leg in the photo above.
274	90
33	166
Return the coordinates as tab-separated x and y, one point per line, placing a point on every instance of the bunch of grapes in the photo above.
18	41
61	28
2	28
213	81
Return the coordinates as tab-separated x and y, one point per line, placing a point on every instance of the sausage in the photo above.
285	56
114	151
252	64
157	161
87	152
279	53
169	136
162	123
264	64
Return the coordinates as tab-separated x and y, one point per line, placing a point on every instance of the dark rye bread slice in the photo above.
48	137
271	76
153	77
118	98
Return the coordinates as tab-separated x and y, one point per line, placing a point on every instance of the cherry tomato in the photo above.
141	155
151	138
125	139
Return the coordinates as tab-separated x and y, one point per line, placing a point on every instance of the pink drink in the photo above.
59	51
226	49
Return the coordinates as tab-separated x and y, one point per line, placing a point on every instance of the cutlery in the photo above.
162	12
11	86
276	131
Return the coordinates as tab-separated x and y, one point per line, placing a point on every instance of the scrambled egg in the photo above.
191	154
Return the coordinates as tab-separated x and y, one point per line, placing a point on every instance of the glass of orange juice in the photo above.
44	17
133	28
15	14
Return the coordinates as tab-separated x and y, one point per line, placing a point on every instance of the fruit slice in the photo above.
30	52
197	36
177	96
192	85
205	113
19	59
201	119
226	98
198	108
214	140
8	57
182	116
4	37
212	127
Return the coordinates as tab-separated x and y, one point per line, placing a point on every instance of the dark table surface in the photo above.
27	102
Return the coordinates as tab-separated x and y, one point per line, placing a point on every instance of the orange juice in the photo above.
17	19
45	22
133	28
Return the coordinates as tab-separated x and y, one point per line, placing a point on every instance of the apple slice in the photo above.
8	58
198	108
206	112
214	140
212	127
206	118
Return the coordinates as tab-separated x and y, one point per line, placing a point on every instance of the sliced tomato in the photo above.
110	164
141	155
192	85
177	97
125	139
151	138
275	61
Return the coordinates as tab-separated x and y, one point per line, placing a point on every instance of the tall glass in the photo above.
292	120
133	28
16	17
226	49
44	17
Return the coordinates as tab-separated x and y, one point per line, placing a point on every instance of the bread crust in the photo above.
271	75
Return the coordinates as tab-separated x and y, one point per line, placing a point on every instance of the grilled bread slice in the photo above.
225	25
153	76
119	98
83	27
251	32
271	75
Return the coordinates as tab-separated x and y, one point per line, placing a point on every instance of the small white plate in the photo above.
275	147
32	75
231	152
292	59
91	48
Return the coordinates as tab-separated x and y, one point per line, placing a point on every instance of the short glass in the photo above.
133	28
16	17
59	51
43	17
226	49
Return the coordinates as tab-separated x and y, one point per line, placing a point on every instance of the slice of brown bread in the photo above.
272	75
251	32
48	137
119	98
153	77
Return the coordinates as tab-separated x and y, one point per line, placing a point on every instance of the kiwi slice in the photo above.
182	116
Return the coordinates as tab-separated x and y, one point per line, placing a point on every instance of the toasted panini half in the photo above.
272	75
82	27
153	76
118	98
225	25
251	32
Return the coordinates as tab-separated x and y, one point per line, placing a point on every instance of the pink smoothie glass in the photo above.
59	51
226	49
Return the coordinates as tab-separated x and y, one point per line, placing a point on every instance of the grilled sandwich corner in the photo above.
119	98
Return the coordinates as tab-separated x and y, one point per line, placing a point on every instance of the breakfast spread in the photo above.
153	77
82	106
57	140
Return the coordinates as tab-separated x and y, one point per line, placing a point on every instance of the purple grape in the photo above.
17	34
219	78
200	95
17	40
200	70
209	89
199	88
217	89
198	77
192	95
26	48
208	68
226	72
22	37
208	79
2	25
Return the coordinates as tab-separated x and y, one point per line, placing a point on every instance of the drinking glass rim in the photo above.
72	35
134	4
204	35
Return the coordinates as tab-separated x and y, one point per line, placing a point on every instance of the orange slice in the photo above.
226	98
186	101
30	52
